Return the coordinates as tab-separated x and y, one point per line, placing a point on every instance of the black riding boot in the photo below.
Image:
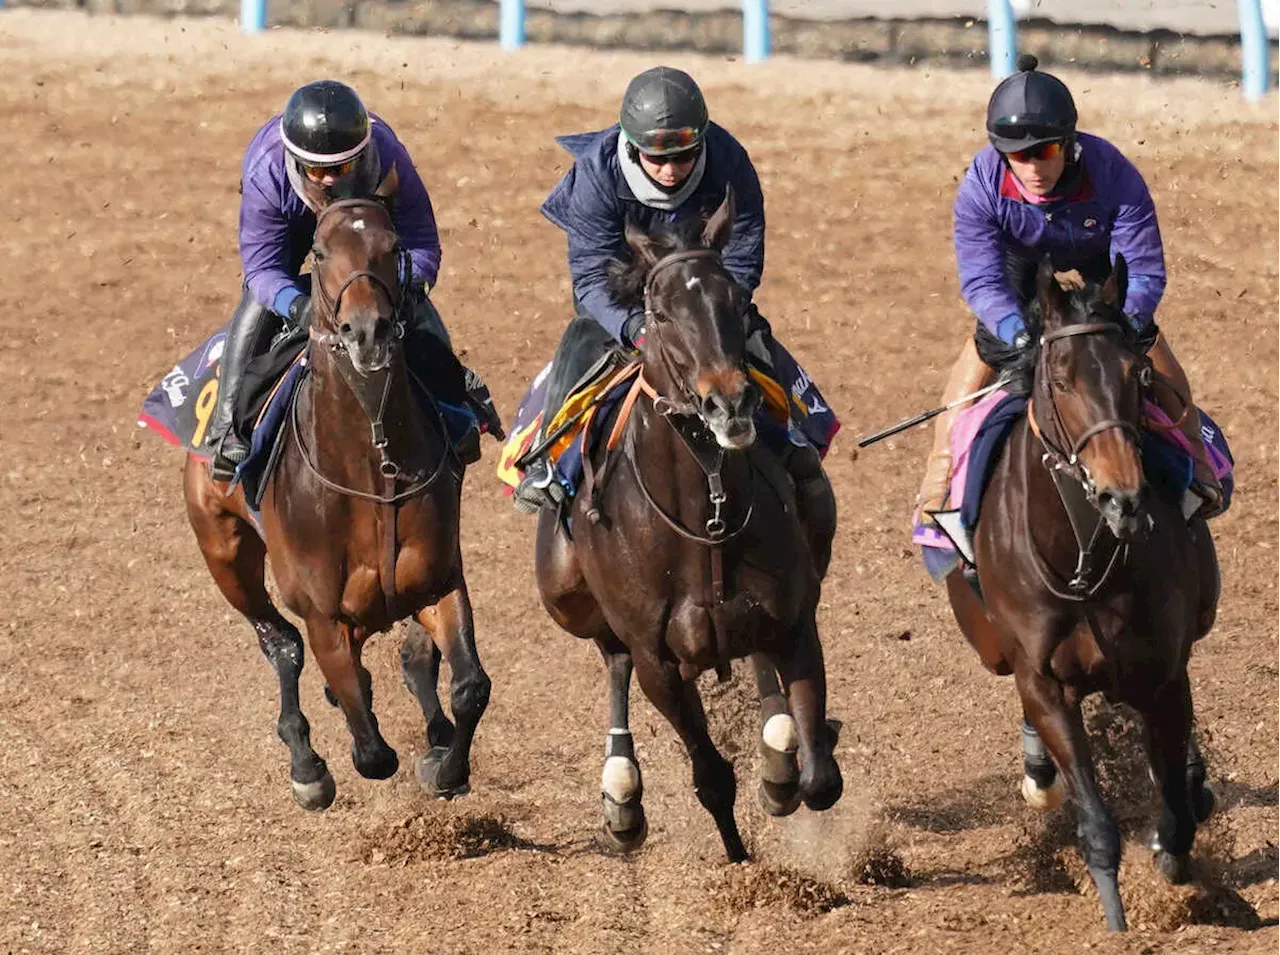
250	325
815	502
431	357
583	344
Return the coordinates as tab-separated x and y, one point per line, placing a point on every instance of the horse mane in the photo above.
626	276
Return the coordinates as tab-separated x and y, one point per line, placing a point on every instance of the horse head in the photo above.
1087	394
359	277
695	345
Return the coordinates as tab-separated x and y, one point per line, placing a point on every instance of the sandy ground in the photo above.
144	801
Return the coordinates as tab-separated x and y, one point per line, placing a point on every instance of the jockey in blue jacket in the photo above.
664	161
1040	188
326	146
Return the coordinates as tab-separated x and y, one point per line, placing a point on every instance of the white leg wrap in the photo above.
620	779
779	733
1044	799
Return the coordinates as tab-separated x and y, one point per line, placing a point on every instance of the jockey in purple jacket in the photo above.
1042	188
665	161
326	146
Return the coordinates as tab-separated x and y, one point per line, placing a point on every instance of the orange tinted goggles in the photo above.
341	169
1041	151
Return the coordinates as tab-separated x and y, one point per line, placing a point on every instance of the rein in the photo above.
389	499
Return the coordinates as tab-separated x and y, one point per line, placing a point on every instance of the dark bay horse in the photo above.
1089	580
685	550
360	521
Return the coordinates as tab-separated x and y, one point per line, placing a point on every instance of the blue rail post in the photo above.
511	24
1255	50
1002	42
253	15
755	30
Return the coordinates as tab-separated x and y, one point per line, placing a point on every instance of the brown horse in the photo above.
1090	581
684	549
360	521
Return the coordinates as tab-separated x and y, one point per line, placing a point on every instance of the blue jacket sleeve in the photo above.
264	238
412	214
744	255
980	260
1135	234
595	238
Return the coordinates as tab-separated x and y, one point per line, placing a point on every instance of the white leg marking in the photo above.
1044	799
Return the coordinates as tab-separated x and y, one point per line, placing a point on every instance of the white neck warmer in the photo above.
649	192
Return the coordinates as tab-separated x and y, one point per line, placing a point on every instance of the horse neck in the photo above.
340	420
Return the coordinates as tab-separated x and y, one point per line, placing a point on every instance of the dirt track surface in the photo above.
144	802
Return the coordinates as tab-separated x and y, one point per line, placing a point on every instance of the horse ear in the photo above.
1048	290
390	183
719	228
1116	287
640	242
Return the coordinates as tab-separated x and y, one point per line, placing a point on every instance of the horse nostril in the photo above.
345	330
381	330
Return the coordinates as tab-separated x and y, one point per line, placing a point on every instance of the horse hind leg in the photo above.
804	676
1042	785
713	781
1169	743
420	665
444	771
1059	724
236	556
779	791
621	785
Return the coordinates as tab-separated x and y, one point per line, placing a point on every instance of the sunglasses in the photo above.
1042	151
337	171
682	158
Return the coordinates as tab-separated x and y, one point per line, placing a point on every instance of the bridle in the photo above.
1071	477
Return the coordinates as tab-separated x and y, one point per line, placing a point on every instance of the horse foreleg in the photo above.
445	771
1168	724
621	786
1059	725
235	555
804	676
339	660
420	664
1042	785
713	781
779	791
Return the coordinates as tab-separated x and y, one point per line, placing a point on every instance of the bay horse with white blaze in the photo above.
360	520
1091	581
684	548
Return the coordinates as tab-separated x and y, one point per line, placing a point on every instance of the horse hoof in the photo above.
316	796
778	800
1203	802
382	765
1045	800
623	843
427	768
1175	869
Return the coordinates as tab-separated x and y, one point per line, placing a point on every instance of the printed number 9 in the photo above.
205	403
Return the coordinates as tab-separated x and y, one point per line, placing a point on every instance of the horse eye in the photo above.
1061	384
317	254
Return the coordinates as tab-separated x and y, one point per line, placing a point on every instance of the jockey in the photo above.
1042	188
663	162
326	146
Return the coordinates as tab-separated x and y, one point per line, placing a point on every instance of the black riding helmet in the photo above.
1029	108
325	124
663	112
